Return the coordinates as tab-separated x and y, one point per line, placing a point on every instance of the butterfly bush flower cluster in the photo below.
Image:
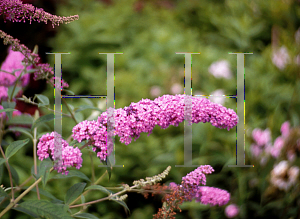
189	190
71	157
146	114
16	11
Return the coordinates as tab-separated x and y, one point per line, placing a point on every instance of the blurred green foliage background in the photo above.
148	33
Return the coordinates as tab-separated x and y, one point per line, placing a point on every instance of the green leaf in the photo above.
79	117
122	203
44	172
82	199
14	147
101	188
43	99
3	193
9	105
2	161
25	131
45	118
85	215
36	176
21	120
10	89
72	173
84	107
43	192
45	209
66	208
74	192
8	110
14	174
26	211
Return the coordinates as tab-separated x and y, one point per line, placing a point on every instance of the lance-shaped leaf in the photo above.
74	192
100	188
45	193
3	194
2	161
44	170
45	118
25	131
84	107
7	110
21	120
72	173
14	147
10	90
9	105
44	209
121	203
44	101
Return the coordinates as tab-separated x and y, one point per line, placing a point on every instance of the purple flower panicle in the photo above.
212	196
146	114
71	157
197	176
16	11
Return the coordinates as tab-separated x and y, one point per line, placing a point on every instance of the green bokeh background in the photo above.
148	33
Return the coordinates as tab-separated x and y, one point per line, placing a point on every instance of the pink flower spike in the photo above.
212	196
197	176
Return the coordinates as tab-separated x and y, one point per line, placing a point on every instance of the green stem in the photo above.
103	199
72	115
34	159
16	82
13	203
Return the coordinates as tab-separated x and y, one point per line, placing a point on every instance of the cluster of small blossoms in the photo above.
16	11
197	176
146	114
71	157
212	196
189	189
263	146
